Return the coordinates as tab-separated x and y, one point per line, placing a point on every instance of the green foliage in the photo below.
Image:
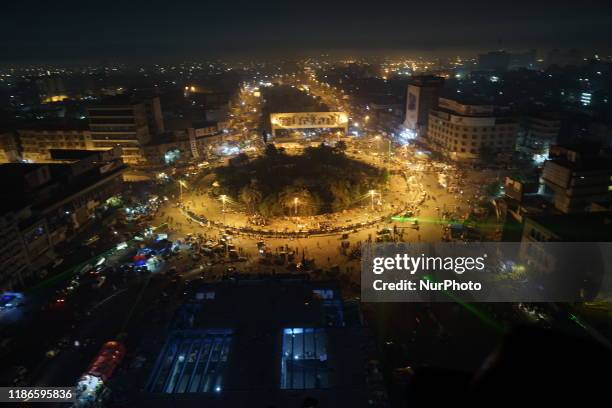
251	196
323	179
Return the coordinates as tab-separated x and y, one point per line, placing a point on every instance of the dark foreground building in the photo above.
273	342
43	205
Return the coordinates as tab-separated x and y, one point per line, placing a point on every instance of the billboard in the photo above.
308	120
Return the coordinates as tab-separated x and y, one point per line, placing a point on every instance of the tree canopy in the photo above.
322	179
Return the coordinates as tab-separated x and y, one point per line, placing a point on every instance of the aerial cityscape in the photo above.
262	204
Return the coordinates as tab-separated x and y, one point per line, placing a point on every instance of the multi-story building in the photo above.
14	261
51	89
470	131
9	147
184	145
494	61
122	121
37	142
582	227
421	97
537	133
43	205
577	176
155	119
575	270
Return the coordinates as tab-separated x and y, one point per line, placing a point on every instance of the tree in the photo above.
306	203
341	192
251	196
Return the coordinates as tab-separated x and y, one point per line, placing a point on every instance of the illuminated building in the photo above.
9	147
121	121
469	131
421	97
37	141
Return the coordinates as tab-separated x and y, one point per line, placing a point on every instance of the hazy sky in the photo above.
97	29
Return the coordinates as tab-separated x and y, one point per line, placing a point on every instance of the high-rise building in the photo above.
471	131
577	176
494	61
124	122
421	97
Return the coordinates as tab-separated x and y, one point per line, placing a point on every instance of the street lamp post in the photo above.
223	200
181	185
372	193
295	205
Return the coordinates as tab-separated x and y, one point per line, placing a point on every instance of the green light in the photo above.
472	309
576	320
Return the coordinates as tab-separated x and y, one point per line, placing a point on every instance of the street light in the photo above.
372	193
223	200
182	184
295	205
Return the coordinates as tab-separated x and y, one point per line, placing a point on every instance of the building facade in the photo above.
422	96
37	143
575	178
537	133
14	260
43	205
122	122
9	147
184	145
470	132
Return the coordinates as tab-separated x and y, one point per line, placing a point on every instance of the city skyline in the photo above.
305	205
72	31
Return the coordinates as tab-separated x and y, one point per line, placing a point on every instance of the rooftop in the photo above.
579	227
270	341
62	184
54	125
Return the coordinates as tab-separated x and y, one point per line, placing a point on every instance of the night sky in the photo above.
93	30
